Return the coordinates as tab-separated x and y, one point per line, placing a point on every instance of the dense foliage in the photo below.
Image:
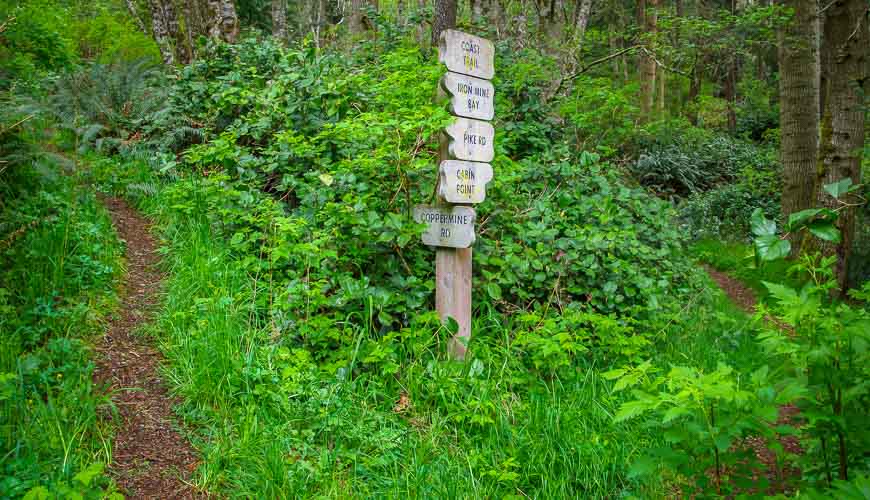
297	317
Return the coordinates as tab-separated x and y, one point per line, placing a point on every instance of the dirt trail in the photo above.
151	459
780	476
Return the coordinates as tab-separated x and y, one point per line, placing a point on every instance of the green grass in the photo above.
59	259
270	420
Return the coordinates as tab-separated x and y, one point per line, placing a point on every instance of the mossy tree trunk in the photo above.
224	20
444	19
799	107
842	126
279	19
648	19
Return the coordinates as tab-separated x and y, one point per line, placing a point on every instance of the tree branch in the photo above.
591	65
652	56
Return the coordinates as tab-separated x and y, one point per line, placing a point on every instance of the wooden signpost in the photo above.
469	97
463	171
451	227
471	140
463	181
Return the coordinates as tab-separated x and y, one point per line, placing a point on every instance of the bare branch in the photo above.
587	67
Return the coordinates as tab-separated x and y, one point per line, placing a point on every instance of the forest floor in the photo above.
778	475
151	459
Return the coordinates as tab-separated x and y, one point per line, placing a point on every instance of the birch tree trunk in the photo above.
161	27
647	12
444	19
279	19
799	107
135	15
842	125
581	20
224	20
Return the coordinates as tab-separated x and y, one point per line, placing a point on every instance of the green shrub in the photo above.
35	39
688	165
724	212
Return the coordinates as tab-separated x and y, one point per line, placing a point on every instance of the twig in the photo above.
14	125
652	56
591	65
826	7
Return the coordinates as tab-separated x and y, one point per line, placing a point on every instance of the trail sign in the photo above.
469	97
463	171
471	140
467	54
463	181
447	226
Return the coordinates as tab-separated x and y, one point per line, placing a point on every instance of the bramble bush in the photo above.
351	152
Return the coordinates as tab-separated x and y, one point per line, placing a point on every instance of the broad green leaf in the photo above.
825	230
839	188
782	293
452	325
723	442
675	412
770	247
630	410
86	476
643	466
761	225
37	493
798	219
326	179
493	290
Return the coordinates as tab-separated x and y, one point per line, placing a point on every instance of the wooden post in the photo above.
463	171
453	294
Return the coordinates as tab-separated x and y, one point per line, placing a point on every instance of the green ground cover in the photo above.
59	263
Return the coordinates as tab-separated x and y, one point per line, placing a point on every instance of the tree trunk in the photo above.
842	127
695	89
444	19
799	107
647	9
476	11
160	27
135	15
224	20
614	48
355	21
279	19
730	91
581	20
195	24
660	78
421	29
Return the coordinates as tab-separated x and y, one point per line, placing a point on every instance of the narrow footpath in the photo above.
780	476
151	459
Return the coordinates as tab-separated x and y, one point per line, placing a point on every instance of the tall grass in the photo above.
270	421
59	260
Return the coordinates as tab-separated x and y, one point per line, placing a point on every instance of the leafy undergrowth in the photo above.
297	319
306	399
59	256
